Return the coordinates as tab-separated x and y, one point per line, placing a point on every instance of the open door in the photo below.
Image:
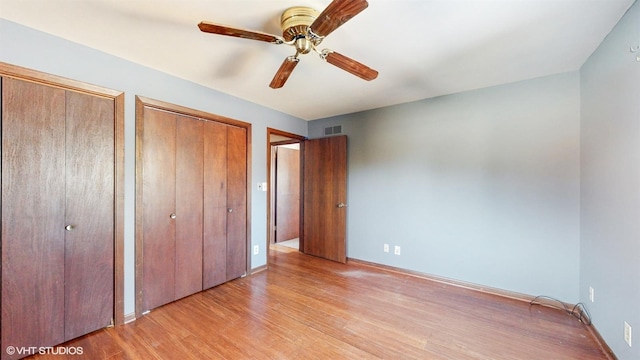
324	198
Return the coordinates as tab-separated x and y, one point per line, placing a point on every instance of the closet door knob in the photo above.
173	216
68	227
230	210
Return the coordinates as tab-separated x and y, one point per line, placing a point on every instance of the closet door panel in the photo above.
237	243
189	193
237	202
159	168
237	166
33	118
89	264
214	266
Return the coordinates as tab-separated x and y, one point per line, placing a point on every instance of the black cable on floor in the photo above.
579	311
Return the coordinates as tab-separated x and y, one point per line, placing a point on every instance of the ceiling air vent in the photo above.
333	130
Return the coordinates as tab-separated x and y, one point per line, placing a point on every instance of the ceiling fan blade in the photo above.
347	64
284	72
212	28
336	14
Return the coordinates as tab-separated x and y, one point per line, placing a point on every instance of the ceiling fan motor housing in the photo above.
295	22
305	28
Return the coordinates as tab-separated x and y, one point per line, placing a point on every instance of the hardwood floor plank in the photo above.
304	307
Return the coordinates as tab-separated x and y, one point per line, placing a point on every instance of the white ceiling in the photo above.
422	48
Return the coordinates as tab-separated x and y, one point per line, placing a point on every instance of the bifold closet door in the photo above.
225	206
236	202
57	214
89	247
172	207
192	207
159	207
214	266
189	188
33	214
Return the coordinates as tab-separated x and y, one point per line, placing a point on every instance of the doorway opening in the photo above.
285	172
322	184
284	189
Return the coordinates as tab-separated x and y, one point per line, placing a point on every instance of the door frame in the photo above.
141	103
276	149
34	76
286	138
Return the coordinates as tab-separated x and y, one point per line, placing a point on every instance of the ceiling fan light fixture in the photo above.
303	45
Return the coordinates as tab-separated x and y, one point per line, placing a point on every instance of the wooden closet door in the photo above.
189	199
159	190
33	187
210	190
214	265
236	202
89	246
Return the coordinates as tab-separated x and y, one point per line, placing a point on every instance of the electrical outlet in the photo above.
386	248
256	249
396	250
591	293
627	333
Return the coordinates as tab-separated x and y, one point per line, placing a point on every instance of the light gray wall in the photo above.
610	210
481	186
33	49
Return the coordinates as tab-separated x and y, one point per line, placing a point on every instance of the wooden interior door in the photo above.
33	214
236	202
325	197
158	208
89	250
214	265
287	193
189	211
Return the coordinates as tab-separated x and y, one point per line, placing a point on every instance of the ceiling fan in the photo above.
303	28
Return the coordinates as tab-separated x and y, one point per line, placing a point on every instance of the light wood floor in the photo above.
307	308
